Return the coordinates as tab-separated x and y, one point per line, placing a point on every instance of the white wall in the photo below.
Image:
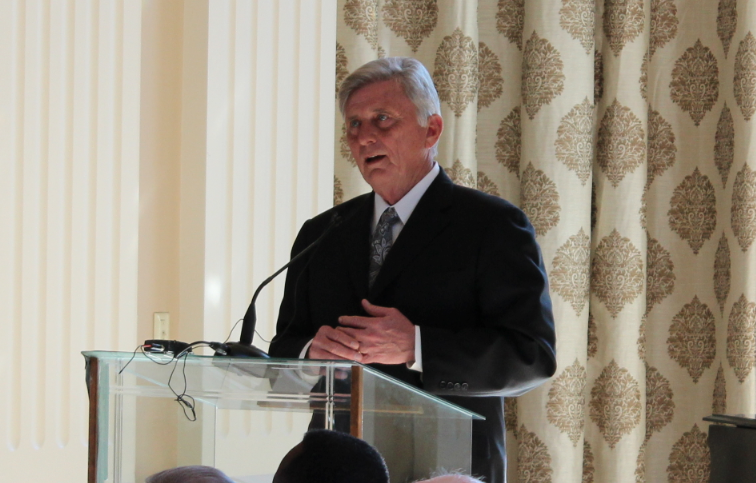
155	155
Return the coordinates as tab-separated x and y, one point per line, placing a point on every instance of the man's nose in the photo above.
366	135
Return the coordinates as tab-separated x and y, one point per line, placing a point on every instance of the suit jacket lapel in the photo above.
430	217
354	242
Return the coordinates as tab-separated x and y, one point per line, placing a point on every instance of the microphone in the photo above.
244	347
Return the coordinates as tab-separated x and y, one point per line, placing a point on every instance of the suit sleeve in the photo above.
507	346
293	329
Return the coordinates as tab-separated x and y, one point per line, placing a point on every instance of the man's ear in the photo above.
434	130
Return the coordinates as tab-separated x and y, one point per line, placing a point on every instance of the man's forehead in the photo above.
377	97
358	111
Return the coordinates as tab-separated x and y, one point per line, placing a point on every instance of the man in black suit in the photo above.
438	285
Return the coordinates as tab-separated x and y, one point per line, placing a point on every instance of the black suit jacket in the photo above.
467	270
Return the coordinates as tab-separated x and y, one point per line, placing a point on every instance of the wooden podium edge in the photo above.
357	403
92	384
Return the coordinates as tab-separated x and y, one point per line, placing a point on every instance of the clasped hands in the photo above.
385	336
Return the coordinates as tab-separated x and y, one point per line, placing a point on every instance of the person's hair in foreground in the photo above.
410	73
326	456
190	474
451	478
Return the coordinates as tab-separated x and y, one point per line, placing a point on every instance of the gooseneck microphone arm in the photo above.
244	347
250	318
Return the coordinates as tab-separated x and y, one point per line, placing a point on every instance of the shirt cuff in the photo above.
308	378
418	364
303	354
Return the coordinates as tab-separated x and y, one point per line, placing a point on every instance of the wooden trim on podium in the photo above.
93	378
357	404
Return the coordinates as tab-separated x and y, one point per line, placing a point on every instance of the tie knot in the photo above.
389	217
387	220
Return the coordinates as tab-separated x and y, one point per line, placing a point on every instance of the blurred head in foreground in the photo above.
190	474
451	478
326	456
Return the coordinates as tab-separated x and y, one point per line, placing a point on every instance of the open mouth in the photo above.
372	159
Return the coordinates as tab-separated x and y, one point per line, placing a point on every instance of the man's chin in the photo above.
381	181
376	176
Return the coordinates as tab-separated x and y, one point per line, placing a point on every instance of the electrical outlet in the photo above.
161	325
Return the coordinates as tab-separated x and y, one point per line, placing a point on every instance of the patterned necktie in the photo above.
381	242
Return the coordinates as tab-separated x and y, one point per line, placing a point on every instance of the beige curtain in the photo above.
622	128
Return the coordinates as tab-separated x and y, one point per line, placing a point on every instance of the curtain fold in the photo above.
622	128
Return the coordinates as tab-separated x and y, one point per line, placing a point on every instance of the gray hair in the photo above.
410	73
450	477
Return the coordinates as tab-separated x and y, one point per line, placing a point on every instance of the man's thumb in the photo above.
374	310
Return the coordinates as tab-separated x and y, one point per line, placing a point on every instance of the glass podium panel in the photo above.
242	416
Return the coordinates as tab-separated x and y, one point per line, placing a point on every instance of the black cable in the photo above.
186	401
132	358
261	337
232	331
234	327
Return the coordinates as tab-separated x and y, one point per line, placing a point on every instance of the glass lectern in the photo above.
243	415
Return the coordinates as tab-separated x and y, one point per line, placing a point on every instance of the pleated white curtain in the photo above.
622	128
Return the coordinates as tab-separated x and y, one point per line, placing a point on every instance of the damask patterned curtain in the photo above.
622	128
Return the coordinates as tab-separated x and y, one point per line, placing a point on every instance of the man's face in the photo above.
391	148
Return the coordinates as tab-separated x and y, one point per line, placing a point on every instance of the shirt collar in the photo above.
407	204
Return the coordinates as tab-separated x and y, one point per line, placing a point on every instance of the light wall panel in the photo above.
193	154
69	171
159	180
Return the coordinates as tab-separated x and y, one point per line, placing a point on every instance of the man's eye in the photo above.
382	117
354	123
